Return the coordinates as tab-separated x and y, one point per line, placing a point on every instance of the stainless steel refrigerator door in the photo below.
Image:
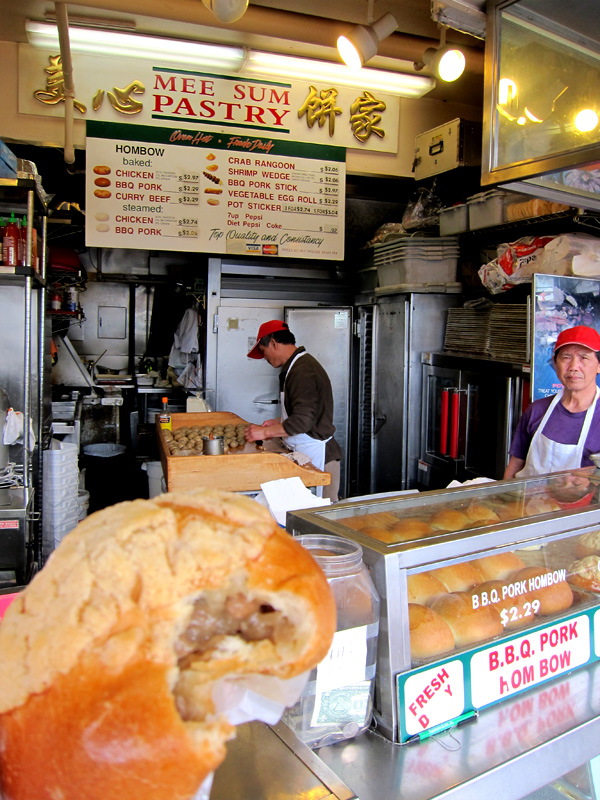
327	335
247	387
390	393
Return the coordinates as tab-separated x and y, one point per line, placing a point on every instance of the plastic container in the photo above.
156	481
83	504
107	478
454	220
417	270
486	209
337	703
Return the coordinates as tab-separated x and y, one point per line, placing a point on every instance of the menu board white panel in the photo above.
201	191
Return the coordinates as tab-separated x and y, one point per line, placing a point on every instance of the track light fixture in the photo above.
445	61
361	43
227	10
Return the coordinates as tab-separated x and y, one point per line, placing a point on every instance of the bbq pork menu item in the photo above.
171	189
114	657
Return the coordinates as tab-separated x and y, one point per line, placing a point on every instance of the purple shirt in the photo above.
563	426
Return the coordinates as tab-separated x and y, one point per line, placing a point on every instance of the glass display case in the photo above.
541	115
486	591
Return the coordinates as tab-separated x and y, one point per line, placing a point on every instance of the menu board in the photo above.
202	191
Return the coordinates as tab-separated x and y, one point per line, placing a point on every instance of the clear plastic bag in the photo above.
423	211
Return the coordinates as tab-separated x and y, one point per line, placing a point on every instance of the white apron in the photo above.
302	442
547	456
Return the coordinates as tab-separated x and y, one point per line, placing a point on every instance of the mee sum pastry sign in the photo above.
145	93
439	694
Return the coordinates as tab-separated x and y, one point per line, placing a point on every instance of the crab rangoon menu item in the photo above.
116	654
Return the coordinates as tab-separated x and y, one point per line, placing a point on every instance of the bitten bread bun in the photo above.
424	588
450	520
585	573
480	514
458	577
588	544
468	625
430	634
517	613
110	655
540	584
499	566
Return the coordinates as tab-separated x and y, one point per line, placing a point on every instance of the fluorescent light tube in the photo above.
131	45
397	83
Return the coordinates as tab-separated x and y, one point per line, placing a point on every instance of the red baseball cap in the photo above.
581	335
272	326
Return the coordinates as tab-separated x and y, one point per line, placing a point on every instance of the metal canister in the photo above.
213	446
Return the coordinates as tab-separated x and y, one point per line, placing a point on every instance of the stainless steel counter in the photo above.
512	750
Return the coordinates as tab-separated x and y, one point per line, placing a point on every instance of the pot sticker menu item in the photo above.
170	189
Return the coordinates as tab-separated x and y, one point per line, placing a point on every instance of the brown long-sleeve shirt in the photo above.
308	400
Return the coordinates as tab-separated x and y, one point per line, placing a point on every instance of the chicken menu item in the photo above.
125	637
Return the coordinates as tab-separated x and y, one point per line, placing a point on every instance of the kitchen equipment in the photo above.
469	412
456	143
393	331
213	446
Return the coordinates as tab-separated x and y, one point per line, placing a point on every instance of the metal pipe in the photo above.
62	23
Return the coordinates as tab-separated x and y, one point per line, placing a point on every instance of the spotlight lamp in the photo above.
361	43
227	10
586	120
445	61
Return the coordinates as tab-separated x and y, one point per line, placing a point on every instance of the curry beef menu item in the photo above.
111	654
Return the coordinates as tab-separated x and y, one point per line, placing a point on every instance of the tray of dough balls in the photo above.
210	449
459	606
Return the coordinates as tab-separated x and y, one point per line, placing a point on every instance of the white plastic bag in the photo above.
13	429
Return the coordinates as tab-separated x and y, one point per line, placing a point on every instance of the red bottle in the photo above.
23	233
10	243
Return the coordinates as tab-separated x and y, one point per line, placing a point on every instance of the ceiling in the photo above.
299	27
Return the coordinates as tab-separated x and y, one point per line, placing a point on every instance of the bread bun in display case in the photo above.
423	588
514	611
430	634
469	625
588	544
458	577
585	573
449	519
112	654
500	565
545	587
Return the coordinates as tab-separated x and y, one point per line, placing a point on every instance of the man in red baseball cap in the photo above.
561	431
306	399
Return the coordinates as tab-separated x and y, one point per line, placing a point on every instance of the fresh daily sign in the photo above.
201	191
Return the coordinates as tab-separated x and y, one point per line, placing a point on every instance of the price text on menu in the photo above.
175	189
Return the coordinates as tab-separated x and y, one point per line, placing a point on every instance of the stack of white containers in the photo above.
61	486
416	259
